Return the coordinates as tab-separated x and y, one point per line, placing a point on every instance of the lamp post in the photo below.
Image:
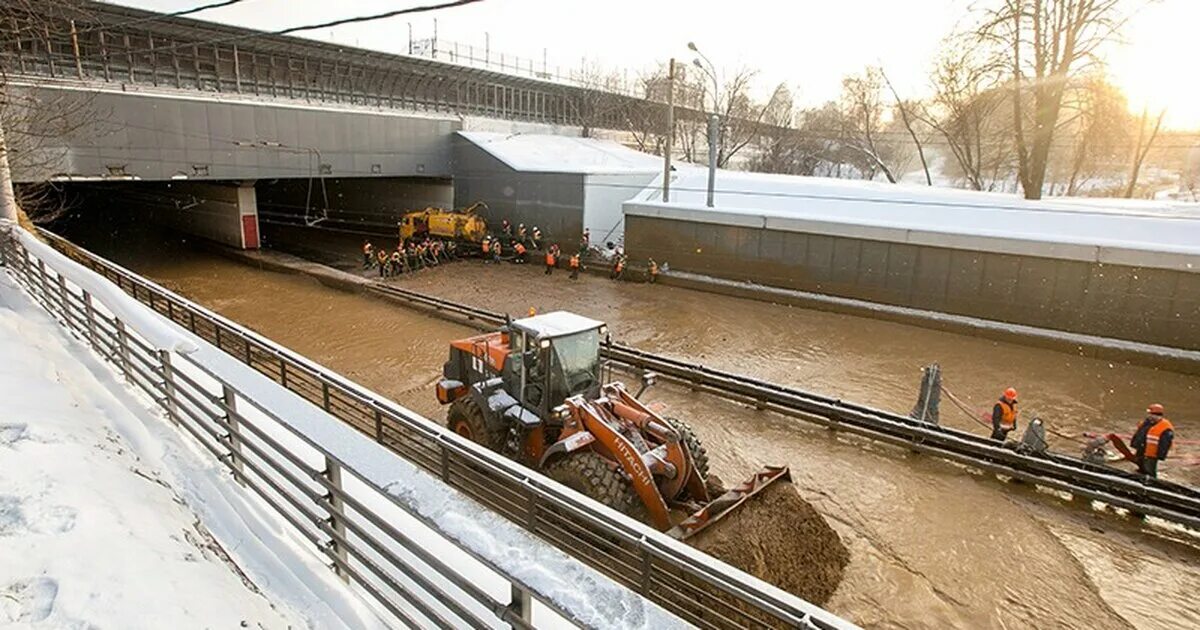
670	132
714	121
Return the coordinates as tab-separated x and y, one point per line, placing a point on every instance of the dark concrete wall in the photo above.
551	201
358	203
1150	305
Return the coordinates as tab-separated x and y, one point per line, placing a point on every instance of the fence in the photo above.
338	503
690	585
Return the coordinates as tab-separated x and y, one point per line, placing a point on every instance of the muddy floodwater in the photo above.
931	545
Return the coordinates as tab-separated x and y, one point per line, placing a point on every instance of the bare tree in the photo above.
1100	130
1142	148
1044	43
863	129
909	118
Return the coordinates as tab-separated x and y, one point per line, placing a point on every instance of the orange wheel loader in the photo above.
533	391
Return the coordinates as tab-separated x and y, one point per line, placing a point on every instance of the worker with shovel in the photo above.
1152	440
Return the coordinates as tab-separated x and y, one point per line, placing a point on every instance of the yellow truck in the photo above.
460	225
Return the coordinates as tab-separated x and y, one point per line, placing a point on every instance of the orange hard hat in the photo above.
1010	393
1155	409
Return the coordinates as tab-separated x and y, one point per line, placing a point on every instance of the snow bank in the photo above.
108	518
782	201
155	330
544	153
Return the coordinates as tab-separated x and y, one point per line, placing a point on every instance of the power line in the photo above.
310	27
162	16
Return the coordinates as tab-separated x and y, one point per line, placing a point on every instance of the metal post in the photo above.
229	398
123	348
75	47
89	313
713	140
333	472
164	359
670	132
237	70
521	604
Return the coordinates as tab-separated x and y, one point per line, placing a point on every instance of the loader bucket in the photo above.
731	500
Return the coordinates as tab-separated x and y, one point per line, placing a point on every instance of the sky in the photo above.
807	44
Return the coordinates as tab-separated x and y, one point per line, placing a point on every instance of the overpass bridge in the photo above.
188	113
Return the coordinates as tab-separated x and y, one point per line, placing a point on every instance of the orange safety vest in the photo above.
1153	435
520	248
620	265
550	259
575	262
1008	415
382	256
486	245
654	269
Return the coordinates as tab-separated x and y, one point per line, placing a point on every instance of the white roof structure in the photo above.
545	153
1119	231
557	324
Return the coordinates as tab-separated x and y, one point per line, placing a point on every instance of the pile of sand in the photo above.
779	538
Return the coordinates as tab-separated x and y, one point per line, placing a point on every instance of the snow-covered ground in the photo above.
103	508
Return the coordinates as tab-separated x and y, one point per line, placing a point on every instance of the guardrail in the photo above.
693	586
1170	501
348	517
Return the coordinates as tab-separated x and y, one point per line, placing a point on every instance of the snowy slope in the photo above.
101	505
545	153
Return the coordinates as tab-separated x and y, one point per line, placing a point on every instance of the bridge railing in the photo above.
686	583
331	493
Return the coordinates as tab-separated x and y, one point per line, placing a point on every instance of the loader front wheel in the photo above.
693	444
466	419
590	474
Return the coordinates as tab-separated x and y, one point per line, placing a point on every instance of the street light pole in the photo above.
714	130
670	132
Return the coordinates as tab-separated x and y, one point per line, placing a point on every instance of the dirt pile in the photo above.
779	538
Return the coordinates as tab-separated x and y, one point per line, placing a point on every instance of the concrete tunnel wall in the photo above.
552	201
1137	303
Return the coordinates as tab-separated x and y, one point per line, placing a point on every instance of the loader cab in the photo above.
558	356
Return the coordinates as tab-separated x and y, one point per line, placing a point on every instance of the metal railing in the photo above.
693	586
345	514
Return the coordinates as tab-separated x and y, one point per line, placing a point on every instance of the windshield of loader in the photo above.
575	365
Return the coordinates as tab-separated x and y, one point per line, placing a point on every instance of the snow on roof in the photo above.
786	201
557	324
546	153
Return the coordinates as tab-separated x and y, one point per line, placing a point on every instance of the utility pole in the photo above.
670	132
8	199
714	130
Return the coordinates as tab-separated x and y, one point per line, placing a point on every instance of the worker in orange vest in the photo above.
574	263
551	261
486	247
367	255
653	269
618	268
1152	440
496	251
382	259
1004	415
519	247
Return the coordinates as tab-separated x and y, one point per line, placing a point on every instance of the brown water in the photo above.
932	545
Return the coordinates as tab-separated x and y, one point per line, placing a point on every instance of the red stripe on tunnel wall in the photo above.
250	231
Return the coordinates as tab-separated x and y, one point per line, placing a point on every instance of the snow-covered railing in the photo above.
426	554
686	583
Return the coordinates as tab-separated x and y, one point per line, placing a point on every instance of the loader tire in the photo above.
592	475
466	419
694	446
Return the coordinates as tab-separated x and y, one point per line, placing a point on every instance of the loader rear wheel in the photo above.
694	446
466	419
590	474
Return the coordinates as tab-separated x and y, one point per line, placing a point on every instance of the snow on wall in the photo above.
793	203
543	153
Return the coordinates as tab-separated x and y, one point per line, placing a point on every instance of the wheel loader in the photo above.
534	392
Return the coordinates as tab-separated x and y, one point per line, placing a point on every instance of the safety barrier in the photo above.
693	586
341	510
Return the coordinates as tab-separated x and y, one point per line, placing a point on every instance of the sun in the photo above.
1152	65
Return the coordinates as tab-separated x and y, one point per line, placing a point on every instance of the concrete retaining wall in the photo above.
1139	303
